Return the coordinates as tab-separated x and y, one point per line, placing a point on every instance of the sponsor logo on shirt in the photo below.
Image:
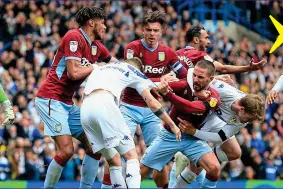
150	69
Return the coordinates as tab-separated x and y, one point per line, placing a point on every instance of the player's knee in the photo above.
96	156
145	171
213	171
235	154
67	152
132	154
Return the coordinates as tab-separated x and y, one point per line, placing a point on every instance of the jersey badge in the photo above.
58	128
93	50
213	102
130	53
73	46
221	86
232	120
161	56
140	55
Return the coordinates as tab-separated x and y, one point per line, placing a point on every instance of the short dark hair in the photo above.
90	12
156	16
207	65
194	31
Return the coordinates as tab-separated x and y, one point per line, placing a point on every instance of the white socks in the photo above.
88	171
133	176
53	174
116	177
185	178
221	156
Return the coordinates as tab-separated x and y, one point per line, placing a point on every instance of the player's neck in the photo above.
236	107
153	46
193	45
89	33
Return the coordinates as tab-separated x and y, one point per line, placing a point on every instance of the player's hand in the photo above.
257	65
203	94
225	78
272	95
186	127
177	132
163	87
8	114
154	91
170	77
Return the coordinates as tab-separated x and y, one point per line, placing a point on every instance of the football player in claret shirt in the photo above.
198	41
236	110
73	62
156	58
163	149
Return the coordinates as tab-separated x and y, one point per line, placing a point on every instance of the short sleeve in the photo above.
72	46
130	51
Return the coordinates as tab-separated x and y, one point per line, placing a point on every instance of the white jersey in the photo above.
218	130
228	95
115	77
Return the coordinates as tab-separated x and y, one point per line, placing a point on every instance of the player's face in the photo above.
99	29
152	33
200	78
204	41
245	117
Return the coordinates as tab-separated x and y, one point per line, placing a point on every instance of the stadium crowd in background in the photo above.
30	32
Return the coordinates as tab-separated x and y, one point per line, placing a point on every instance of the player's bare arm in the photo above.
76	72
239	69
158	110
273	93
113	59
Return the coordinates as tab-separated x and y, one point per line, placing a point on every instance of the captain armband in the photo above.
222	135
159	112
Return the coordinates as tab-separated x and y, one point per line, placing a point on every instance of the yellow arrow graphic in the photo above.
279	39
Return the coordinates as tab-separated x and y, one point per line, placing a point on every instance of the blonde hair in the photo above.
254	105
135	61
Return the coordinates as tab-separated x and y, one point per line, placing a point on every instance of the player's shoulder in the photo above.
221	85
73	33
134	43
163	47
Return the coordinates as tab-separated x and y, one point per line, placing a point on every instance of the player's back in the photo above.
115	77
228	95
74	45
189	56
155	61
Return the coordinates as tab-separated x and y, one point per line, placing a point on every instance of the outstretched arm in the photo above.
273	93
158	110
239	69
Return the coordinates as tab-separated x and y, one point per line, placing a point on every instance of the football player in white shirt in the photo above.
273	93
104	124
236	110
